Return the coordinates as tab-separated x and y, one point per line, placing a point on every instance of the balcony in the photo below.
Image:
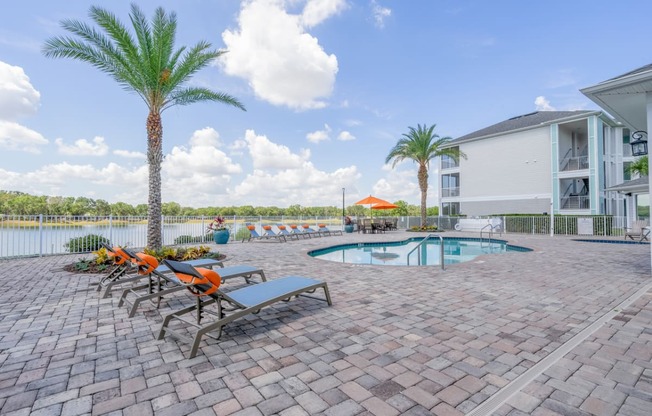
576	202
450	192
448	163
574	163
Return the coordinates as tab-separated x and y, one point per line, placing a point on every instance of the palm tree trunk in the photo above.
154	158
423	185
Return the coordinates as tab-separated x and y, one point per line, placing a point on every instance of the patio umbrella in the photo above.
384	205
371	200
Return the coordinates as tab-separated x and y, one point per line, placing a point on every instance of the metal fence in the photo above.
40	235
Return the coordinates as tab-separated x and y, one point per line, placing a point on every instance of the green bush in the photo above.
84	244
185	239
242	234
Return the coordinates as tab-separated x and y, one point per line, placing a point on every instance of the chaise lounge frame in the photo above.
234	305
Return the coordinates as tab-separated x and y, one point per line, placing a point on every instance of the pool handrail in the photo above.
441	252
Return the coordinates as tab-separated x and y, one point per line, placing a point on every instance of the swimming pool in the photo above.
456	250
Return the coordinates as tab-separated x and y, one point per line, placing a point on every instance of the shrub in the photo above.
185	239
242	234
90	242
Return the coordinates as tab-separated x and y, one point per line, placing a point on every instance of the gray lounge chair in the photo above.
282	230
161	281
253	234
126	272
234	304
323	230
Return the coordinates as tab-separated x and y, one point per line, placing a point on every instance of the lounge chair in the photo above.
269	233
161	281
638	231
282	230
231	305
120	274
308	230
294	230
253	234
323	230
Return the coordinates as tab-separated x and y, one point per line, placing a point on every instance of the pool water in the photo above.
456	250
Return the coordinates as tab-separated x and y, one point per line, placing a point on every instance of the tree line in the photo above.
19	203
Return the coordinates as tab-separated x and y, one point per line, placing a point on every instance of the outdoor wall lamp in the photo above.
639	143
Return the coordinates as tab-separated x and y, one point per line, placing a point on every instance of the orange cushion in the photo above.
119	256
293	226
306	226
146	264
281	227
209	277
267	227
251	227
322	225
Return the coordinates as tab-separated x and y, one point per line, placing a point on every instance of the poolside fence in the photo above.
41	235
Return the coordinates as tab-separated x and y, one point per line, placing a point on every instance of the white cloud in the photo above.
542	104
268	155
380	13
130	154
83	147
18	97
283	64
319	135
316	11
13	136
398	184
207	136
345	136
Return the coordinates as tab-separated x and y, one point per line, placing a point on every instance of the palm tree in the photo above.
148	65
639	166
422	145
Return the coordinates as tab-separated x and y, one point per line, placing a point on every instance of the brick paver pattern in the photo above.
397	340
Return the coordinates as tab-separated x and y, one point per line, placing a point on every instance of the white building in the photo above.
534	163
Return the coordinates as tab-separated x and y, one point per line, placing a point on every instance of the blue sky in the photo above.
329	86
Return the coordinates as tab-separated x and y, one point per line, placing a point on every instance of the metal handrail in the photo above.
441	251
491	231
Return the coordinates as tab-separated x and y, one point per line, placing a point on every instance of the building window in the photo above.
450	185
448	162
450	208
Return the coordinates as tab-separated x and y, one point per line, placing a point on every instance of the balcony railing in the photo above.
576	202
448	192
449	163
575	163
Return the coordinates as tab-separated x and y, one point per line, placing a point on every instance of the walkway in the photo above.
396	341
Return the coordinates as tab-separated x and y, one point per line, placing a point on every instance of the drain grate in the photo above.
493	403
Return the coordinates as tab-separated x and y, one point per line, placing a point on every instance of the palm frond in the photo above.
194	94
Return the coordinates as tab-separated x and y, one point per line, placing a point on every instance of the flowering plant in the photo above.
218	224
347	220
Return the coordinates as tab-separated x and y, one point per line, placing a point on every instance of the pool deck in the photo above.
563	330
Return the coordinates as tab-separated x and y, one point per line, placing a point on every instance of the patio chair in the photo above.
638	231
231	305
162	281
323	230
282	230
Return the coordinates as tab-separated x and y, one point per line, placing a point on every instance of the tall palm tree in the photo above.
422	145
148	65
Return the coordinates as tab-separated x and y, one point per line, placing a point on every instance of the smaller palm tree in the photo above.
639	166
422	145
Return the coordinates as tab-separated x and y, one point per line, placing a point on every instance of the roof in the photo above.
521	122
639	185
625	96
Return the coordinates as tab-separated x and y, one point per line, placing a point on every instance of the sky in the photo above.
329	87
